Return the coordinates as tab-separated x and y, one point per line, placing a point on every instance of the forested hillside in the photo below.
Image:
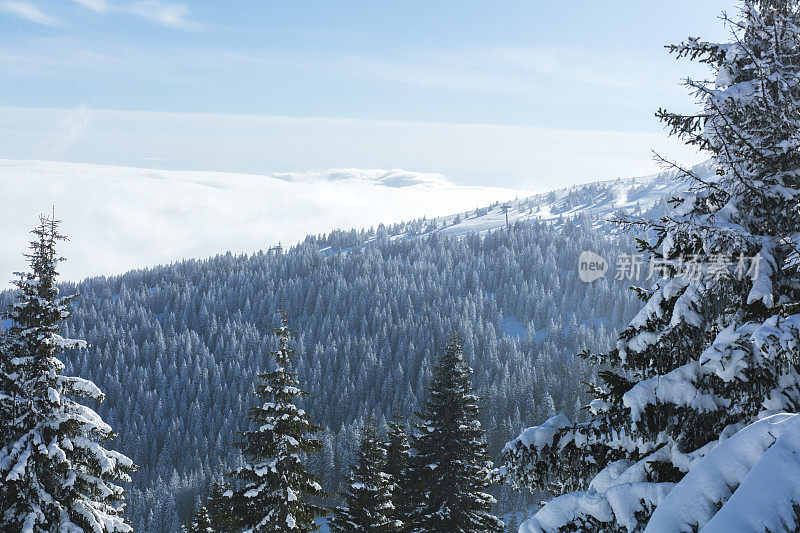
176	348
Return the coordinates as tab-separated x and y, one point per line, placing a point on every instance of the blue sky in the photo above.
514	86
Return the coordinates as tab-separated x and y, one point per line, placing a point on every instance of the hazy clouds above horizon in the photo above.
493	155
516	93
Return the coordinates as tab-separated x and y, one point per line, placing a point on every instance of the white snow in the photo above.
754	475
676	387
539	436
761	274
615	494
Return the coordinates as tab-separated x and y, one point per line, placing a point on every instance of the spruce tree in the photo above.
55	475
398	452
273	488
715	346
449	467
368	498
220	510
6	388
201	521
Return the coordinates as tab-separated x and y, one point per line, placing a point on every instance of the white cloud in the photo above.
119	218
29	12
167	14
164	13
101	6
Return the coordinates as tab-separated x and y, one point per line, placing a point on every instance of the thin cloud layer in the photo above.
165	14
120	218
101	6
29	12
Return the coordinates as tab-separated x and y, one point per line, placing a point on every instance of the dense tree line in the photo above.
176	348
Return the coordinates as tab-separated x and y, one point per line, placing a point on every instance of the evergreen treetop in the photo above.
449	465
368	498
220	510
398	452
273	488
54	473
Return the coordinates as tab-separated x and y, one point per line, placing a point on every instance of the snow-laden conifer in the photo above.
6	386
398	452
273	488
367	503
201	521
220	509
716	345
449	466
55	475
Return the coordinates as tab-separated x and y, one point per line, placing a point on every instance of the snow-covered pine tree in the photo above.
274	486
216	516
449	466
367	498
398	452
220	510
201	521
716	345
54	473
6	389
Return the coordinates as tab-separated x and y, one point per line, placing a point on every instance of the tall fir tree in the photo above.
449	466
716	345
6	389
220	508
273	488
55	475
216	515
201	521
398	452
367	499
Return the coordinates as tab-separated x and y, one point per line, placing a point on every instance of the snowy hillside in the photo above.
163	216
599	199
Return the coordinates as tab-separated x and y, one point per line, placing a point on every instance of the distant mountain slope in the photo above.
599	199
122	218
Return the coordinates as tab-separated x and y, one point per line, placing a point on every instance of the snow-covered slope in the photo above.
600	199
121	218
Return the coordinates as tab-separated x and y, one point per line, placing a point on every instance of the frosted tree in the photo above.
201	521
715	346
55	475
220	510
449	467
398	452
216	516
6	389
273	488
367	499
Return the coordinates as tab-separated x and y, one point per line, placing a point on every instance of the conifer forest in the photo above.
616	355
